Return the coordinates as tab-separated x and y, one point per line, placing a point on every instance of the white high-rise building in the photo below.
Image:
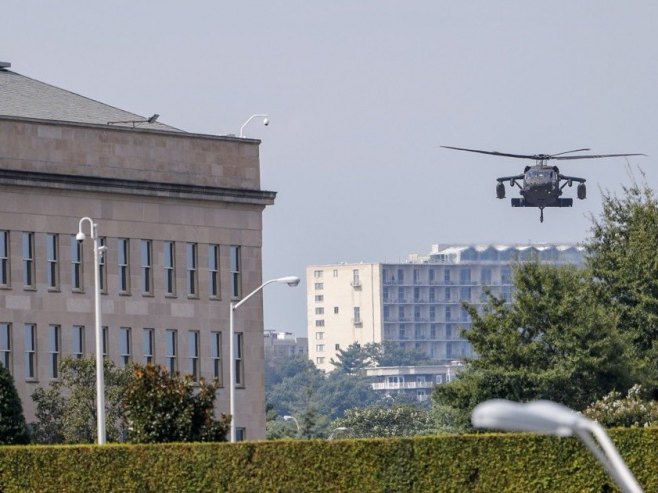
418	303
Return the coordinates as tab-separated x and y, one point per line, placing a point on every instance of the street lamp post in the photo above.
290	281
556	419
292	418
266	122
100	384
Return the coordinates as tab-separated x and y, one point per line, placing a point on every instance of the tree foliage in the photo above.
161	407
379	421
66	410
633	410
556	341
13	429
351	360
623	260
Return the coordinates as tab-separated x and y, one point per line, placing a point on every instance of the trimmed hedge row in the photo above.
477	463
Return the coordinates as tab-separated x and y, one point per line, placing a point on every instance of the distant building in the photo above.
284	345
416	303
181	217
415	381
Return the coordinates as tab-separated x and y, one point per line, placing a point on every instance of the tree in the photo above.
390	353
66	410
13	429
160	407
278	369
351	360
556	341
623	260
378	421
634	410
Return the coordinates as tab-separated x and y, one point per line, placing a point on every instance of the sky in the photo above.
361	95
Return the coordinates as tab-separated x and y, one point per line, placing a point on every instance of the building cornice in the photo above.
78	183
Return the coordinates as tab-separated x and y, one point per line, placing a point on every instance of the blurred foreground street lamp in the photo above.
555	419
291	281
100	383
340	429
292	418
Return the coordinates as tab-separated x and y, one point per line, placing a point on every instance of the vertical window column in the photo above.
52	254
236	277
54	349
170	268
106	341
123	251
28	260
172	350
5	345
76	264
239	359
102	266
30	344
213	271
193	354
147	266
192	266
125	346
216	355
78	341
149	346
4	259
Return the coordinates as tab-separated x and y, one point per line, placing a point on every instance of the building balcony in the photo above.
402	385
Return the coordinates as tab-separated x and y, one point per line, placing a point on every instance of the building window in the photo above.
239	359
192	267
106	341
319	348
240	434
319	298
146	255
335	273
102	265
319	336
76	264
319	311
319	286
213	271
30	335
172	350
4	258
193	354
357	315
123	252
5	345
78	340
28	260
236	278
125	346
216	355
53	349
317	274
446	276
335	310
52	255
170	268
149	346
355	278
319	323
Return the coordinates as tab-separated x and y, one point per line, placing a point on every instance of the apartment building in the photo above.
181	217
418	382
280	346
418	303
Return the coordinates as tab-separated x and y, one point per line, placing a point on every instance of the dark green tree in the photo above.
556	341
66	410
13	429
351	360
278	369
160	407
390	353
378	421
623	259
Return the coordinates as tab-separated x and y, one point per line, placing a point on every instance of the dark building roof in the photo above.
23	97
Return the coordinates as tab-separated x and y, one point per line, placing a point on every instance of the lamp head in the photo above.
266	121
80	236
291	281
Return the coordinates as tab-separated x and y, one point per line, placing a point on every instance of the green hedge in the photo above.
477	463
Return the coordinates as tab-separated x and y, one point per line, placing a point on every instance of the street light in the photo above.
266	122
100	384
291	281
556	419
292	418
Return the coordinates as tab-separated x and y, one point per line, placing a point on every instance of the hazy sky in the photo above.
361	94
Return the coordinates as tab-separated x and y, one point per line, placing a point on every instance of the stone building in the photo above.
181	216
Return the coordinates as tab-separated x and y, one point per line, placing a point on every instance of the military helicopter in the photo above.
542	184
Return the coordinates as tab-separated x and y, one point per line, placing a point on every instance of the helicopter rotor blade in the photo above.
569	152
595	156
493	153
